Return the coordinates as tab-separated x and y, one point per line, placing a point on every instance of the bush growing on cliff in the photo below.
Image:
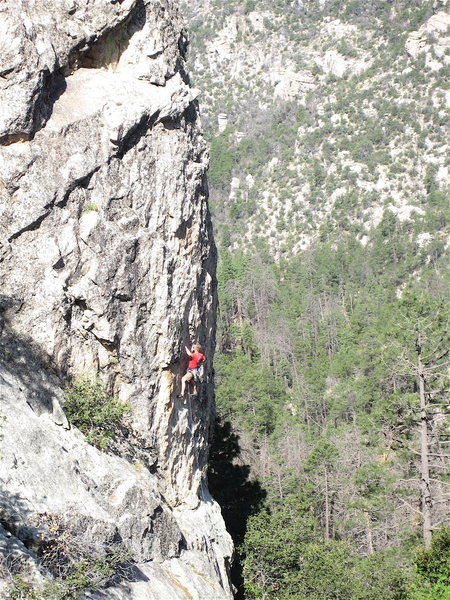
88	574
72	557
95	412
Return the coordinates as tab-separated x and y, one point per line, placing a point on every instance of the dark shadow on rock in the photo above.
127	572
106	49
238	496
136	574
137	131
14	517
18	537
22	362
53	87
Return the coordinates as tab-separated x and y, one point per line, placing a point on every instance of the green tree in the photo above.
421	339
249	393
382	576
322	461
374	487
433	568
95	412
221	162
274	544
433	564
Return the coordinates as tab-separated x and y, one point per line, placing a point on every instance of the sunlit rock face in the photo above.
432	40
107	264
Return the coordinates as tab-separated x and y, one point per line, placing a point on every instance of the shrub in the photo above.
433	568
433	564
95	412
249	6
72	558
89	574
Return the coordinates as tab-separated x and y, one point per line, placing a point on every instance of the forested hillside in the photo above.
328	125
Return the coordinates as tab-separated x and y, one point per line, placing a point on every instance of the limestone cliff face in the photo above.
107	265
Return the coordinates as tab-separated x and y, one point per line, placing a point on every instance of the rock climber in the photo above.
196	358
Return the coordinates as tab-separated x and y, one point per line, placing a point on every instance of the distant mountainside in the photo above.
329	187
322	114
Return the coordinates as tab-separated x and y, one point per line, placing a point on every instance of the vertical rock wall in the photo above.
107	265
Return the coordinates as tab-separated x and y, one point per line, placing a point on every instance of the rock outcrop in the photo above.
264	63
432	40
107	265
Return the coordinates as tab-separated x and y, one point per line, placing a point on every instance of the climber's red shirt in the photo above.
195	359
